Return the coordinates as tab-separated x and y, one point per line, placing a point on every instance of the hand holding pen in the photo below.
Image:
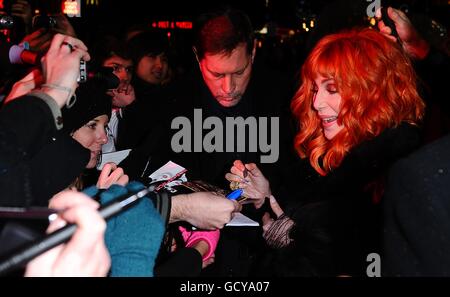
250	179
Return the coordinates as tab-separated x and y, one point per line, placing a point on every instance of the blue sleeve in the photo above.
133	238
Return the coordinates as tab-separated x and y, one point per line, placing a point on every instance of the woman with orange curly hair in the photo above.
358	111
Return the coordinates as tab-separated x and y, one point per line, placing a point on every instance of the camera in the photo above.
43	21
6	22
83	72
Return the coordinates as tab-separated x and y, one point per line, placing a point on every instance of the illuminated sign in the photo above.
72	8
172	25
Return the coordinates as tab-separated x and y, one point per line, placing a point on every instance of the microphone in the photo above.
37	247
29	57
19	55
106	76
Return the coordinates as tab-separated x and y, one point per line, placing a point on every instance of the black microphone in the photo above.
39	246
106	76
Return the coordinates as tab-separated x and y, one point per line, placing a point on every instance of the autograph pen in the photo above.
235	194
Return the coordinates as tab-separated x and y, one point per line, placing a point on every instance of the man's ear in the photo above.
195	53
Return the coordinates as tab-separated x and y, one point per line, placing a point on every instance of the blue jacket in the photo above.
134	236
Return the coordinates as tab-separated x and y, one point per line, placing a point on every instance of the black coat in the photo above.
265	96
337	223
416	237
142	117
36	160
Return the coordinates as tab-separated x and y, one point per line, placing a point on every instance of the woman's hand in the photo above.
413	44
276	232
249	178
61	67
111	174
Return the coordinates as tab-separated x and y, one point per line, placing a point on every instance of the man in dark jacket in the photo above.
416	233
231	109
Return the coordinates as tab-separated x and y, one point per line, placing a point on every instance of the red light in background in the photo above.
184	25
163	24
168	35
172	25
71	7
2	6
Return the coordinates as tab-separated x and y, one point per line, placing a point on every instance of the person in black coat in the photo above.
37	159
228	84
358	110
246	89
416	231
151	80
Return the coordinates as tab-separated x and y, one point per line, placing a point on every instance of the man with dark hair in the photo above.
111	52
149	53
225	49
228	86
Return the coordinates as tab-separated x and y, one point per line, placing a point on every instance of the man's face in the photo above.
227	76
123	69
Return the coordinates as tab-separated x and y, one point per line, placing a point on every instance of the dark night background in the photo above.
283	18
285	12
116	15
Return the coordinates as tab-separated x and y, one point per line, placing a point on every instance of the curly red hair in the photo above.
377	84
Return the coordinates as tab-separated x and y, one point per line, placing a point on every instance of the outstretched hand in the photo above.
204	210
266	219
413	44
276	231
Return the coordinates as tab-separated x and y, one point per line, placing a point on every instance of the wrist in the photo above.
268	192
418	49
60	94
201	246
178	209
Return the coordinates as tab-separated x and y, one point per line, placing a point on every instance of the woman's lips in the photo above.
328	121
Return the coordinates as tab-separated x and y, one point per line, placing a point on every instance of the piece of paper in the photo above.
241	220
170	174
114	157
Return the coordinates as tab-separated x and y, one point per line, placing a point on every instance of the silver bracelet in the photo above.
70	100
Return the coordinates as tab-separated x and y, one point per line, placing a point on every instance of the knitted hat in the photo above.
92	101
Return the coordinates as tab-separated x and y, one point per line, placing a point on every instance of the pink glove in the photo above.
191	237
